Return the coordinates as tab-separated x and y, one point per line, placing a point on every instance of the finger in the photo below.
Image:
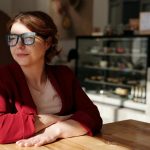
27	142
44	141
32	142
20	143
40	143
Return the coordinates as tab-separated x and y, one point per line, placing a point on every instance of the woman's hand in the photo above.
64	129
48	135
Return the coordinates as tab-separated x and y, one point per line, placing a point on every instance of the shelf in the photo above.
115	69
107	83
117	54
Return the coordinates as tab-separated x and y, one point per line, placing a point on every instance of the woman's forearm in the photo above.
63	129
70	128
44	120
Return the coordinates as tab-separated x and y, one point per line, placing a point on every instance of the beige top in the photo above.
47	101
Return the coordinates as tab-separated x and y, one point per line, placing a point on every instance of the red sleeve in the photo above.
14	126
86	112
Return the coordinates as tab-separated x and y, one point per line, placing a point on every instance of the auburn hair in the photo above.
43	25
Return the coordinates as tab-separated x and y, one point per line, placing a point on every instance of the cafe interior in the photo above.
87	32
106	43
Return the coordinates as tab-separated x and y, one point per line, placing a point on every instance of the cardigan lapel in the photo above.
28	105
55	85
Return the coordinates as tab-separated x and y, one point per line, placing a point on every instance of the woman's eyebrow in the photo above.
12	33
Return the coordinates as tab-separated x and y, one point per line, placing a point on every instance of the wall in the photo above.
22	5
5	56
12	7
100	13
73	21
81	23
6	6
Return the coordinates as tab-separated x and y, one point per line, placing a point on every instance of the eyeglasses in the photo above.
26	38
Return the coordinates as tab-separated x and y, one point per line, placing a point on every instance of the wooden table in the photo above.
131	133
123	135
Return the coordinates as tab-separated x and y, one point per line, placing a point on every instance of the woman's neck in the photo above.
35	75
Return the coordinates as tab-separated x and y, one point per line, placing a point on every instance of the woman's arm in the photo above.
76	101
63	129
70	128
15	126
20	125
86	112
44	120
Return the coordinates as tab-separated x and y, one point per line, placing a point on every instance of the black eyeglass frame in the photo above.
23	38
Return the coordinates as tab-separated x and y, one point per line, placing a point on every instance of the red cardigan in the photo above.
17	109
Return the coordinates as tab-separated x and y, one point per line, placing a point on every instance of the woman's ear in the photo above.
48	42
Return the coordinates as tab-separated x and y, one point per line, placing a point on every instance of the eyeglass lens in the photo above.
26	38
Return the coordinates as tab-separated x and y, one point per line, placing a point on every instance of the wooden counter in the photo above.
123	135
134	134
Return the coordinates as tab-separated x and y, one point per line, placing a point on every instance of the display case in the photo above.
114	66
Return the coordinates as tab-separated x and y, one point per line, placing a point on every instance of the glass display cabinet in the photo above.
114	65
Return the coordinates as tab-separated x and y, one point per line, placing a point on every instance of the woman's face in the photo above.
28	55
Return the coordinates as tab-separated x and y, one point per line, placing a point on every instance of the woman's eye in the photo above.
12	37
29	40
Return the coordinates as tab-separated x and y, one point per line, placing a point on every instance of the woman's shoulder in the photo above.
7	70
4	69
60	70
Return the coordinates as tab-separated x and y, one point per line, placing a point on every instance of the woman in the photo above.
40	103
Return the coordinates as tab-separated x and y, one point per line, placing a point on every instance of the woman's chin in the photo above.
23	63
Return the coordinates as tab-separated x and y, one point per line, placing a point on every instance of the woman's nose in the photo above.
20	43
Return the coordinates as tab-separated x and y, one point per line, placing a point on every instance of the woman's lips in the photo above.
22	55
